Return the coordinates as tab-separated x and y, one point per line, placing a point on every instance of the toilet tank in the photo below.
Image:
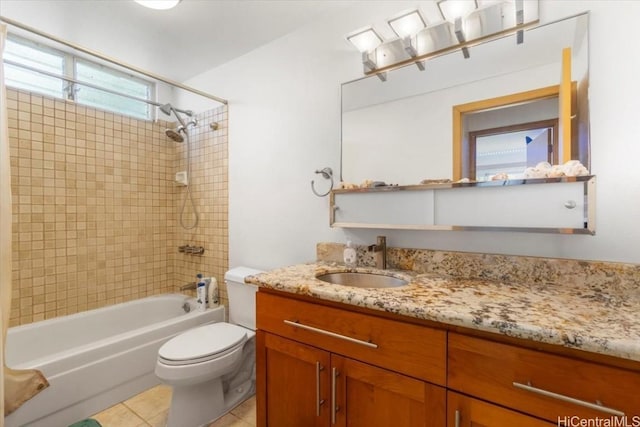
242	297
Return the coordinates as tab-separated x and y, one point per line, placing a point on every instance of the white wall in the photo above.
285	123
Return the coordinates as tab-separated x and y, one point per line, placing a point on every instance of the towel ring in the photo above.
326	173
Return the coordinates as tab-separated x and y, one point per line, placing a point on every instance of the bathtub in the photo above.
97	358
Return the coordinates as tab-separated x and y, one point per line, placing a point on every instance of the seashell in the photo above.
347	185
543	165
556	171
574	168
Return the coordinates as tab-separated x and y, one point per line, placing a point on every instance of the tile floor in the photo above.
151	407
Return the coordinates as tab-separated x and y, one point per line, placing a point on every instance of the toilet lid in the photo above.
203	342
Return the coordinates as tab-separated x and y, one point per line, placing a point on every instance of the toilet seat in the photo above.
202	344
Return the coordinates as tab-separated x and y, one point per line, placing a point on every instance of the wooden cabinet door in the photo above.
463	411
367	396
293	384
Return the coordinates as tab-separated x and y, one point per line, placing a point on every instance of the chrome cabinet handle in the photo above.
457	418
319	401
562	397
297	324
334	407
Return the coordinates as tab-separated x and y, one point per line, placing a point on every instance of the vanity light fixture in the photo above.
462	24
159	4
410	48
519	20
366	41
454	9
460	36
406	26
369	63
368	60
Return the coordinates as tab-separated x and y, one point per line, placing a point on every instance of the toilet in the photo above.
211	368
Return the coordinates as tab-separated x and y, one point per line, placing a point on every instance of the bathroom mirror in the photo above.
400	130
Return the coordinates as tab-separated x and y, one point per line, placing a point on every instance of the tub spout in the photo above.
189	286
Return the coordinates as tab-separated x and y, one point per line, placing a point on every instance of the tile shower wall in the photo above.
95	209
209	188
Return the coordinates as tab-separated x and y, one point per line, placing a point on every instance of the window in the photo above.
33	55
511	149
116	81
37	68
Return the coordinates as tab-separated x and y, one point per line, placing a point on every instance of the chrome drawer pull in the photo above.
457	418
318	400
331	334
562	397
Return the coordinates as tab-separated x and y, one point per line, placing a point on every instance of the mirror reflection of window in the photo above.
511	149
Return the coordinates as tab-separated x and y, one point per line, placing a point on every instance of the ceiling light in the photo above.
452	9
407	24
159	4
365	40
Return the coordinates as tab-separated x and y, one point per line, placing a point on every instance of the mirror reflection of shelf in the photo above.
548	205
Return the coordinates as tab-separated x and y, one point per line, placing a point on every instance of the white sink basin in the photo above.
363	280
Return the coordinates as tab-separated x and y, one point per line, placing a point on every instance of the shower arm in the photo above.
168	109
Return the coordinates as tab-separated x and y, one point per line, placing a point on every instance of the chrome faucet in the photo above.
380	250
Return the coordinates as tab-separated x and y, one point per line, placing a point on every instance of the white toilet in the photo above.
211	368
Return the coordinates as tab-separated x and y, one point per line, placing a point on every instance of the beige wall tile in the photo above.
96	211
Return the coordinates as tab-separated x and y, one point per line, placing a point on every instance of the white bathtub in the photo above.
96	358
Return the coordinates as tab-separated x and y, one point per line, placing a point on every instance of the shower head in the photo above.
175	134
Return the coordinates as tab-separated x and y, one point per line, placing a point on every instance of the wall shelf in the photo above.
551	205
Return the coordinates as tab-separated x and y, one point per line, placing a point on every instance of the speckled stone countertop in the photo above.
584	317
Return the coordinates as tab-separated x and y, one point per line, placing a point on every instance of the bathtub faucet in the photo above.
189	286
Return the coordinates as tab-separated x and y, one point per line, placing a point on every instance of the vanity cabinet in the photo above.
322	366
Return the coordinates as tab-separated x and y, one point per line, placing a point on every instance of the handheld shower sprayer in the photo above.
177	135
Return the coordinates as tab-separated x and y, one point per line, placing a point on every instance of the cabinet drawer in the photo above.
417	351
464	411
541	384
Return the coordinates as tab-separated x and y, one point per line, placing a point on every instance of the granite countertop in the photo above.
571	316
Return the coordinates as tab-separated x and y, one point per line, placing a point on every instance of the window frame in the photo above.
69	77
